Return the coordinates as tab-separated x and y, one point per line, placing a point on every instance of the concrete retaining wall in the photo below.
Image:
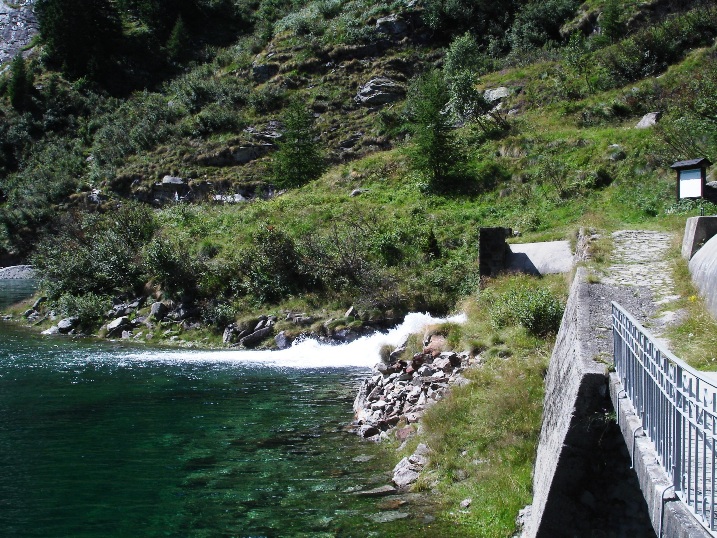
703	267
575	388
698	230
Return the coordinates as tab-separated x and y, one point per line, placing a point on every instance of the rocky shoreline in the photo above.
392	400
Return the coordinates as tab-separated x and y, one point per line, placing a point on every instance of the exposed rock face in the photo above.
393	25
379	91
648	120
263	72
235	155
496	94
18	25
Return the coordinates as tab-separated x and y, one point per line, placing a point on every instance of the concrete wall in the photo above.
698	230
575	388
703	267
583	483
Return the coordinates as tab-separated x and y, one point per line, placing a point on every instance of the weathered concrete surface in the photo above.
703	267
698	230
17	272
18	25
541	258
667	512
582	482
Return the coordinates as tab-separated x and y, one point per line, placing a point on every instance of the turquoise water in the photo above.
101	439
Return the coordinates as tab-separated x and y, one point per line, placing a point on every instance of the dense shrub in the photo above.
169	263
536	309
88	308
273	269
95	253
651	50
539	22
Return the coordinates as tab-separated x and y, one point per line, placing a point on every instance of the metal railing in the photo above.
678	409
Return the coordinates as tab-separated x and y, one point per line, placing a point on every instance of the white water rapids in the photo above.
309	353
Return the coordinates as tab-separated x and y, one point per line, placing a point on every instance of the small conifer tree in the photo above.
298	159
178	41
20	82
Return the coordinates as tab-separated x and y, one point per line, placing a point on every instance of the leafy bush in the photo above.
168	261
95	253
538	23
651	50
273	269
89	308
536	309
219	315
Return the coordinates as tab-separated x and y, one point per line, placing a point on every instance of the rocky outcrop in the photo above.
392	25
235	156
496	94
408	470
401	391
18	25
649	120
379	91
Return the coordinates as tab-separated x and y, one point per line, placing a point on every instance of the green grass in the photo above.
484	435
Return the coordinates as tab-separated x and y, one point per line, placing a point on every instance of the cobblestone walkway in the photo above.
639	260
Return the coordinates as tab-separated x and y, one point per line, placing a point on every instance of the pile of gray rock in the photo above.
401	390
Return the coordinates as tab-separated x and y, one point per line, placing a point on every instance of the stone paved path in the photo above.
639	261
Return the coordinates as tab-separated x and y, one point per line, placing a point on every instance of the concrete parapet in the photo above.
670	517
703	267
698	230
575	389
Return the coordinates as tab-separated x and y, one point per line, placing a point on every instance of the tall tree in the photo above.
81	36
20	83
435	151
299	158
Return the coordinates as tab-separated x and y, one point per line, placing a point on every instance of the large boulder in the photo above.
255	337
393	25
67	324
649	120
158	311
379	91
282	340
496	94
117	325
405	473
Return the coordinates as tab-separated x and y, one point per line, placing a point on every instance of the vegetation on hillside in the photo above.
375	206
152	93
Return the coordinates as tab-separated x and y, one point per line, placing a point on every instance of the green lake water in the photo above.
103	439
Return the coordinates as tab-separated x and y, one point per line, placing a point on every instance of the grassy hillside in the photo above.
384	213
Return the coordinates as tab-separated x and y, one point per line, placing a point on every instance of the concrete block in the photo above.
703	268
698	230
541	258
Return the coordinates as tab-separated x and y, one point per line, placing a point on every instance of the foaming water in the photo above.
310	353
